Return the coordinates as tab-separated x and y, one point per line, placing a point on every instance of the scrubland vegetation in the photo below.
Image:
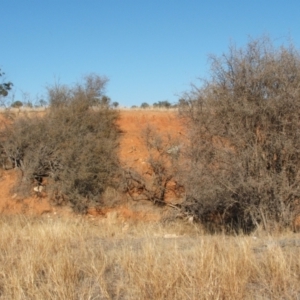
239	167
244	138
235	172
73	145
52	258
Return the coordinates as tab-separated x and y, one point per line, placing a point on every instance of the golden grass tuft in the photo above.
76	258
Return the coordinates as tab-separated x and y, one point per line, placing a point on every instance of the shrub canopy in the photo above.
244	157
74	145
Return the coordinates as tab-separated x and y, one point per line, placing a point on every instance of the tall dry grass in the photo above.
150	108
57	258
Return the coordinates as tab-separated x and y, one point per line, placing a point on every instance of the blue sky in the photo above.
150	50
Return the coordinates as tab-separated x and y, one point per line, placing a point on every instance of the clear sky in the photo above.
151	50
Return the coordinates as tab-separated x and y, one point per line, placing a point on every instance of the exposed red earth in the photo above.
133	154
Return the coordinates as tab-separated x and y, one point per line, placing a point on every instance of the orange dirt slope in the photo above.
133	151
133	154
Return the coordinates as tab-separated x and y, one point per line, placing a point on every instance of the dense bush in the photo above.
74	145
244	157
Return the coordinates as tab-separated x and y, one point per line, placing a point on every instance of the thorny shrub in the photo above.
162	165
244	158
74	145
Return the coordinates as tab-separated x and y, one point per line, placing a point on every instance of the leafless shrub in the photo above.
74	146
160	178
244	158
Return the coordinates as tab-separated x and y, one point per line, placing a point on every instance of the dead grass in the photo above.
76	258
150	108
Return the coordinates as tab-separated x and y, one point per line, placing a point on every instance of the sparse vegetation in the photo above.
239	166
158	181
236	170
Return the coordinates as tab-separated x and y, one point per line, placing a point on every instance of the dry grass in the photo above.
150	108
57	258
24	109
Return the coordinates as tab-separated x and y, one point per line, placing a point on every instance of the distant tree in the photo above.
115	104
162	104
28	104
43	102
133	106
144	105
105	101
92	91
5	86
165	104
183	102
17	104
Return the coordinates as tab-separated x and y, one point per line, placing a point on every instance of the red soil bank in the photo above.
133	154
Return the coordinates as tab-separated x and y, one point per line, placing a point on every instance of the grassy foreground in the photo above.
76	258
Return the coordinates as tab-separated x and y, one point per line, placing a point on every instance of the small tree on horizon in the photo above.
115	104
5	87
145	105
162	104
17	104
42	102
